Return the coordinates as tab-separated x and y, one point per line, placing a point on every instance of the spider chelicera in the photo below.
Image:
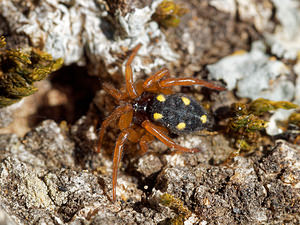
149	109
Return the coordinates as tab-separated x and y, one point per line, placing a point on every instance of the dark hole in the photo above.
77	87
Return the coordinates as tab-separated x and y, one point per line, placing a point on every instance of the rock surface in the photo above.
263	188
51	175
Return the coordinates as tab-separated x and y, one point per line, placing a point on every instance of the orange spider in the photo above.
148	109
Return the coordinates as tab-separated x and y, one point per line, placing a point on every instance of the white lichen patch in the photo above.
279	115
76	29
255	75
285	42
283	115
139	29
297	71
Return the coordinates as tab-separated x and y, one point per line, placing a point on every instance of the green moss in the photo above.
2	42
261	105
249	119
250	123
294	118
177	205
19	69
168	13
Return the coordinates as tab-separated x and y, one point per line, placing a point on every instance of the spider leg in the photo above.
160	135
145	139
123	136
128	74
155	78
114	92
170	82
113	116
125	120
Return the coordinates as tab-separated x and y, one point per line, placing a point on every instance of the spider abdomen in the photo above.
179	113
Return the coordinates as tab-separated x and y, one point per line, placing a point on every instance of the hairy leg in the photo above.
114	92
151	81
117	158
144	141
112	117
128	74
127	134
171	82
160	135
125	120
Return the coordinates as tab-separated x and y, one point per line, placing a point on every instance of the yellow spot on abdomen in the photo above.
185	100
181	126
161	98
203	118
157	116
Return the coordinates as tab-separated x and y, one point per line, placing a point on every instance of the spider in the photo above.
149	109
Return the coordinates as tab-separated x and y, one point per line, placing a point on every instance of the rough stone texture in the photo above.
149	164
37	189
52	175
7	114
243	192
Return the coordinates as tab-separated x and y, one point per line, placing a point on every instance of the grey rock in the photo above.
244	192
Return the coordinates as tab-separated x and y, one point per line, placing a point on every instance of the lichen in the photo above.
248	120
295	118
168	13
254	74
2	42
176	205
19	69
261	105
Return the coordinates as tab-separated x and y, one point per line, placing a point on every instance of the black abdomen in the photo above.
179	113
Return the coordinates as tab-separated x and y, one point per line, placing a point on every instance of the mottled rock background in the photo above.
49	173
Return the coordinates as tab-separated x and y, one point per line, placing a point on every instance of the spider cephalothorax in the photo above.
149	109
